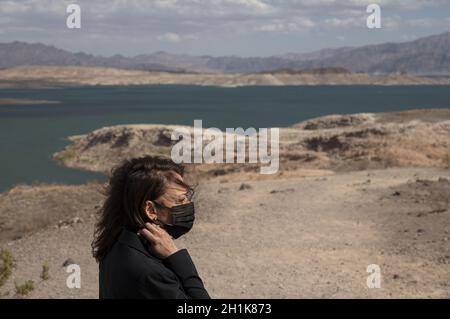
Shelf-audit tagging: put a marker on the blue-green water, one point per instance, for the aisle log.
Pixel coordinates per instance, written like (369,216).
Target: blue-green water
(30,134)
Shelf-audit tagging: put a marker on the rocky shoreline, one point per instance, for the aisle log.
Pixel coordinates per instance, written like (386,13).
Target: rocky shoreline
(417,138)
(51,76)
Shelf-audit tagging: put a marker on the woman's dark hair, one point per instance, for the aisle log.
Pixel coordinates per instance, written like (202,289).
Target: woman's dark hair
(131,184)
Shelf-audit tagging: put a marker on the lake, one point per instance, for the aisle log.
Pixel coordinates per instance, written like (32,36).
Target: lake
(30,134)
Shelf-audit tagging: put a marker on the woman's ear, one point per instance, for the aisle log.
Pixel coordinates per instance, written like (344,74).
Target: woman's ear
(149,210)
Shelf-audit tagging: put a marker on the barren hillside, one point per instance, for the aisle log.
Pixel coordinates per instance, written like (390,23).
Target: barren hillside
(38,76)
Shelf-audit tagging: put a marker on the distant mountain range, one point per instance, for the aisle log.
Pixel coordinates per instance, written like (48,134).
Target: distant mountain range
(429,55)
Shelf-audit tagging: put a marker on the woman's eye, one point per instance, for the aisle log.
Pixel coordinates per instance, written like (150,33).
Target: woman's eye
(180,200)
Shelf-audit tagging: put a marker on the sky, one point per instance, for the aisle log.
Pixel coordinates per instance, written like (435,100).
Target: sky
(218,27)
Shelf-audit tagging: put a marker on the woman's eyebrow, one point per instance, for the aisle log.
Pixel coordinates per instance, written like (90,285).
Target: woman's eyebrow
(177,197)
(177,188)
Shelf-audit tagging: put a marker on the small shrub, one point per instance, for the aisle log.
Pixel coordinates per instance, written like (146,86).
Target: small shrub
(6,266)
(45,271)
(25,288)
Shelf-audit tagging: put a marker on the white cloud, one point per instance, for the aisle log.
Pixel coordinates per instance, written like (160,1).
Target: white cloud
(294,25)
(392,22)
(422,23)
(345,22)
(169,37)
(13,7)
(174,37)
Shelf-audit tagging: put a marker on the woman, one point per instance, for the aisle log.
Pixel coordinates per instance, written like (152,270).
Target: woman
(148,204)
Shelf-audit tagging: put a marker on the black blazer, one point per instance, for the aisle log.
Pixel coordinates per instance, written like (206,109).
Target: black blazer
(131,270)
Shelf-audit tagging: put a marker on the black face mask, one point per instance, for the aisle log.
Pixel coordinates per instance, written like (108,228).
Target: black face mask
(183,217)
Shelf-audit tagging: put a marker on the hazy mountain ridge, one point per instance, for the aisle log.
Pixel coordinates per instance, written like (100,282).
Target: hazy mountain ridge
(429,55)
(20,54)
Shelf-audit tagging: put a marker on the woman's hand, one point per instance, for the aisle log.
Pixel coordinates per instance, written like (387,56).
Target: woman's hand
(159,239)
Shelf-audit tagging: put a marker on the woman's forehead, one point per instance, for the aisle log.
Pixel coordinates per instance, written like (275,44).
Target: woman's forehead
(174,191)
(174,188)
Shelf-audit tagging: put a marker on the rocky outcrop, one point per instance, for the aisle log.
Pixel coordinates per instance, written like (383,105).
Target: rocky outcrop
(338,142)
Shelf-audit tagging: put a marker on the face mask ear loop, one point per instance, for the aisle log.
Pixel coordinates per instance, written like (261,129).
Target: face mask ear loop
(156,218)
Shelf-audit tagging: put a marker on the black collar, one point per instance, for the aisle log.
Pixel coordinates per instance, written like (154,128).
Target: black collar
(137,242)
